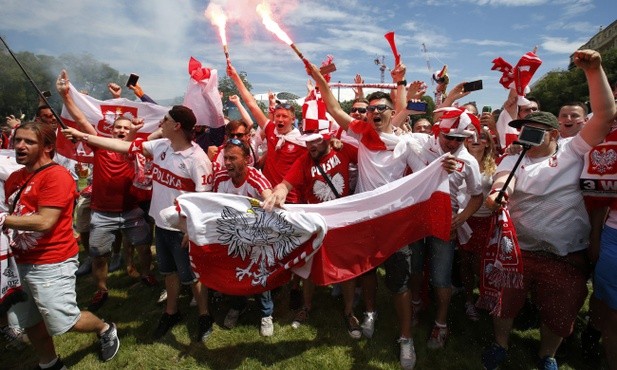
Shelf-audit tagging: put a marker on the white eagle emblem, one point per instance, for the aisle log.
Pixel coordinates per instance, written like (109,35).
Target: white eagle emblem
(322,190)
(264,237)
(603,161)
(505,248)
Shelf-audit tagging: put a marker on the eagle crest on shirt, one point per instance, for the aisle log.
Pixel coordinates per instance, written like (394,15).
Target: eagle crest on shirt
(322,190)
(603,161)
(263,238)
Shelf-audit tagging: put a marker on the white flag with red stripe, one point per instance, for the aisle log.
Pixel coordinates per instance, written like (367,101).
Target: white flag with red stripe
(102,114)
(237,248)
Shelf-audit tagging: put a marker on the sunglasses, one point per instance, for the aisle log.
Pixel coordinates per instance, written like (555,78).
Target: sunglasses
(359,110)
(454,138)
(235,141)
(238,135)
(379,108)
(283,106)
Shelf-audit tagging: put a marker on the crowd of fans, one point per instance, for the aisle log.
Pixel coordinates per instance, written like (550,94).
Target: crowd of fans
(277,160)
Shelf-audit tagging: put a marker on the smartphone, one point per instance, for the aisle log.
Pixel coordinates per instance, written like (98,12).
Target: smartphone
(531,136)
(328,68)
(472,86)
(487,109)
(418,106)
(132,81)
(46,93)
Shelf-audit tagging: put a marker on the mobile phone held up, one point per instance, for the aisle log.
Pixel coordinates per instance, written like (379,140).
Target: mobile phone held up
(46,93)
(472,86)
(419,106)
(487,109)
(532,136)
(132,81)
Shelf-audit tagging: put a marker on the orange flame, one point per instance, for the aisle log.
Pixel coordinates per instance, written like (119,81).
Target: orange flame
(266,15)
(217,17)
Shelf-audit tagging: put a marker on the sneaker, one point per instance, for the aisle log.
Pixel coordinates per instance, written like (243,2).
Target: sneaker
(204,326)
(115,262)
(368,324)
(301,316)
(15,337)
(407,354)
(99,299)
(109,343)
(85,268)
(162,297)
(353,326)
(438,337)
(150,280)
(548,363)
(267,327)
(493,356)
(231,319)
(471,312)
(58,365)
(166,322)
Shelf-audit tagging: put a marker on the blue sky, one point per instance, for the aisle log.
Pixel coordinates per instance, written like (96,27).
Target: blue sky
(155,38)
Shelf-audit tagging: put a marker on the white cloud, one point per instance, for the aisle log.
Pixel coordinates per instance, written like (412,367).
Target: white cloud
(508,2)
(560,45)
(499,43)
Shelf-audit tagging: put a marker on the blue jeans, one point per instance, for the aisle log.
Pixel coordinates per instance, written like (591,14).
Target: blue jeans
(264,302)
(171,257)
(441,254)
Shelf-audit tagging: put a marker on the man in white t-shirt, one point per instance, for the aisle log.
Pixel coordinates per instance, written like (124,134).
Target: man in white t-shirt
(179,166)
(549,215)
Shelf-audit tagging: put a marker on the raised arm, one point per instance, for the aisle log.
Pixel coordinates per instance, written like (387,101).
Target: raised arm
(246,117)
(600,97)
(62,85)
(108,143)
(246,95)
(333,106)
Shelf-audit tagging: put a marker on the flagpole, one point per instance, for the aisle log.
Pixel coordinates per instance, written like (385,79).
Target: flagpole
(502,192)
(34,85)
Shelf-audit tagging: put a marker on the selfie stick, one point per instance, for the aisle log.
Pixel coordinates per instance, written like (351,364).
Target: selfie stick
(502,192)
(34,85)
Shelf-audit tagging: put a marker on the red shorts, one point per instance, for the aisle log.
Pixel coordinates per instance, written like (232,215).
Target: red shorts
(558,286)
(481,226)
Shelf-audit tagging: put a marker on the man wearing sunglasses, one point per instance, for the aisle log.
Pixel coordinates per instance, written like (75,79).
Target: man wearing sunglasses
(377,166)
(358,109)
(236,129)
(281,136)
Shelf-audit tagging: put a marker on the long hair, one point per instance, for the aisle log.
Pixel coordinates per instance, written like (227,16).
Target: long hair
(45,134)
(488,157)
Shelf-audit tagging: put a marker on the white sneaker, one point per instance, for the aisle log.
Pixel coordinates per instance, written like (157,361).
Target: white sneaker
(162,297)
(267,327)
(15,337)
(368,324)
(231,319)
(408,353)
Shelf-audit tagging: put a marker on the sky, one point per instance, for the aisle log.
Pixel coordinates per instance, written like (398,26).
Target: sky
(156,38)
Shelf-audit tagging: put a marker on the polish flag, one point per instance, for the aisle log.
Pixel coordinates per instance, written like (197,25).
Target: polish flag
(237,248)
(102,114)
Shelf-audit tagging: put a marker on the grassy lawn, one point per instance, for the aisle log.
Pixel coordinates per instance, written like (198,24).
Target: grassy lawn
(321,344)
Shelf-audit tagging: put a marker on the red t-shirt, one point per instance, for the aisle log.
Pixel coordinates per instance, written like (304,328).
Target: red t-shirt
(52,187)
(278,162)
(112,178)
(307,179)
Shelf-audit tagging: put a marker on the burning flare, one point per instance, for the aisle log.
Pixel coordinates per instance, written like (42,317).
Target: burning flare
(266,15)
(217,17)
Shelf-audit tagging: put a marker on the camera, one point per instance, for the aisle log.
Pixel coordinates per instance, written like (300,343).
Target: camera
(532,136)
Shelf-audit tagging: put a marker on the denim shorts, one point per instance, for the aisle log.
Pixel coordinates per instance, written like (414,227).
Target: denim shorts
(171,257)
(104,225)
(398,270)
(51,296)
(441,254)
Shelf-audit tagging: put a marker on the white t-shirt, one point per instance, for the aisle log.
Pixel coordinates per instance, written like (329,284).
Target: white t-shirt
(176,173)
(547,204)
(380,167)
(467,171)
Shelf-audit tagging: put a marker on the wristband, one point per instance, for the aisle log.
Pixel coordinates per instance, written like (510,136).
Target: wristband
(402,83)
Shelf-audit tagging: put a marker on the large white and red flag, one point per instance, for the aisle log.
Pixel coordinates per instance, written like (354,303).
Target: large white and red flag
(102,114)
(237,248)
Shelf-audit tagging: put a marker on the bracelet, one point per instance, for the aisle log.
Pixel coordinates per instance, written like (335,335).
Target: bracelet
(402,83)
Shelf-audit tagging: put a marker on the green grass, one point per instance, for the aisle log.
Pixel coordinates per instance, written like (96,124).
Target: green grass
(321,344)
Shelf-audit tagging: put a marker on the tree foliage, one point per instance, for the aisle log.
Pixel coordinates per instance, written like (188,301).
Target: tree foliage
(560,86)
(17,95)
